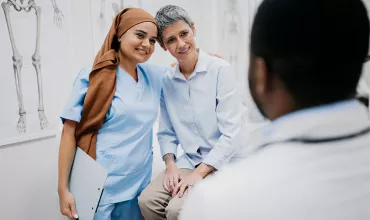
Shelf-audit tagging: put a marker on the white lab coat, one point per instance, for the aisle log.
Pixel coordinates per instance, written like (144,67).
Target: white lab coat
(295,180)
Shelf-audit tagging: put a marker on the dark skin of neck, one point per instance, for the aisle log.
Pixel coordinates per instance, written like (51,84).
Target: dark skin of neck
(280,102)
(274,99)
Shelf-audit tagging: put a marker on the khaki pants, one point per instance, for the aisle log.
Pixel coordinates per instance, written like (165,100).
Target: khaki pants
(157,204)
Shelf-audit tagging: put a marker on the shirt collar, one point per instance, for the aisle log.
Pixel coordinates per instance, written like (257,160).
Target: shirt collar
(201,66)
(139,84)
(349,116)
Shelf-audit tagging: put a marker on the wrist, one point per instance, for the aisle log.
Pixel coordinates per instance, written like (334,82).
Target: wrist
(203,170)
(62,190)
(200,173)
(171,164)
(169,159)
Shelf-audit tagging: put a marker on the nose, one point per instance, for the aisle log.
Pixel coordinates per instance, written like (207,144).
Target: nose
(181,44)
(145,43)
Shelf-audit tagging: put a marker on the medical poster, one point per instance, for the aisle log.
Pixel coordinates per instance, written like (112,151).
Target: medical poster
(35,51)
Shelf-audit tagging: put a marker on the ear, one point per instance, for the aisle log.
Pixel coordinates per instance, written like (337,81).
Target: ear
(261,76)
(193,29)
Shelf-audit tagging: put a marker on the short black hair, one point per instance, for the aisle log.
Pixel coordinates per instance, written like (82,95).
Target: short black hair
(315,47)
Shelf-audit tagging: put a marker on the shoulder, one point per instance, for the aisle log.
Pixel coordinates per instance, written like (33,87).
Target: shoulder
(154,72)
(216,62)
(83,76)
(216,65)
(169,75)
(153,69)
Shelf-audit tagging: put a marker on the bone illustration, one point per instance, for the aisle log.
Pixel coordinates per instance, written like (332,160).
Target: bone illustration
(117,7)
(231,29)
(27,6)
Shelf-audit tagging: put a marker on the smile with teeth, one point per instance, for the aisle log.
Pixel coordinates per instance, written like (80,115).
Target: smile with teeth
(184,51)
(141,51)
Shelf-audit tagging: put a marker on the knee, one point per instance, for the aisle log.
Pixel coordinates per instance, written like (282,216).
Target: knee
(173,210)
(145,199)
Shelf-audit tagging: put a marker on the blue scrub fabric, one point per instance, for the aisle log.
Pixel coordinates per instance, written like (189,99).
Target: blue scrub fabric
(124,142)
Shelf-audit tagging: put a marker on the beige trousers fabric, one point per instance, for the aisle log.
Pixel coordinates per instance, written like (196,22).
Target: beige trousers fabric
(158,204)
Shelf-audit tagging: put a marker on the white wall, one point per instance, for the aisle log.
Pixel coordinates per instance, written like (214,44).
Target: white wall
(28,181)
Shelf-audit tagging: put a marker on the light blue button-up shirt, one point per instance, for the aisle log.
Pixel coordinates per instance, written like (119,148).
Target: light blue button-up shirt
(202,114)
(124,142)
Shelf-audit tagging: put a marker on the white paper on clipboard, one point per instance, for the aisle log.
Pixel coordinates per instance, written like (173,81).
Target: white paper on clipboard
(86,183)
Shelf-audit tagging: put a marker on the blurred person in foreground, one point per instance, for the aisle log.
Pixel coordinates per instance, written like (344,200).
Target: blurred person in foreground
(313,160)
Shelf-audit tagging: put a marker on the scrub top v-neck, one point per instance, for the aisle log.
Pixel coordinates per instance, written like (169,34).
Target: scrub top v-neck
(124,142)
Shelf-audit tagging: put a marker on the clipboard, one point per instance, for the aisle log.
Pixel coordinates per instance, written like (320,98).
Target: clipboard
(86,183)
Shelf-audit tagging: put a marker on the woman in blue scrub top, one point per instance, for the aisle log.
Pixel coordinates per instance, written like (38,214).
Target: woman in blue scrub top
(124,140)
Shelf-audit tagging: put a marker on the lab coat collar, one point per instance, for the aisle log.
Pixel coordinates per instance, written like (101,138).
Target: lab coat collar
(340,118)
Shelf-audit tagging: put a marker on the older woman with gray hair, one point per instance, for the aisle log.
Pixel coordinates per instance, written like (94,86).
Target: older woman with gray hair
(200,110)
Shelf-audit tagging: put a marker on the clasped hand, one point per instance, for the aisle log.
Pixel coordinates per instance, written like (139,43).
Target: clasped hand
(176,184)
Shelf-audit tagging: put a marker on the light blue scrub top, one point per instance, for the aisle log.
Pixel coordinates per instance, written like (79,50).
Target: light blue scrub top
(124,142)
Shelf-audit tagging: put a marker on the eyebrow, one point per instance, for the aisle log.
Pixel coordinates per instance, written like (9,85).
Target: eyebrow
(173,36)
(169,38)
(145,33)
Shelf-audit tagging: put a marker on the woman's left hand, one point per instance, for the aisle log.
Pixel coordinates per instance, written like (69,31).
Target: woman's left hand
(184,186)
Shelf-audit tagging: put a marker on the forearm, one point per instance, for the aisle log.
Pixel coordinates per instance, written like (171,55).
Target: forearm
(204,169)
(67,151)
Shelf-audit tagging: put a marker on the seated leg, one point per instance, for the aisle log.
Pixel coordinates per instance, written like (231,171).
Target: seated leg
(154,199)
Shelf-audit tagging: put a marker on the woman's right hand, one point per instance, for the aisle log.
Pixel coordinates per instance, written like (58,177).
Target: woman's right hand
(67,205)
(172,177)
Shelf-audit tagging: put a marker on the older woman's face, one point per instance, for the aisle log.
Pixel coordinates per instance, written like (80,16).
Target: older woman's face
(179,40)
(137,44)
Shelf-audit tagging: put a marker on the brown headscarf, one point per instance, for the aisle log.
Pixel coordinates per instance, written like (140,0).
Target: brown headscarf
(102,79)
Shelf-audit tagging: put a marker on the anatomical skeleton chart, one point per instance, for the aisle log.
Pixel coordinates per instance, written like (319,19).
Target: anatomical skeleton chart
(232,29)
(28,6)
(117,6)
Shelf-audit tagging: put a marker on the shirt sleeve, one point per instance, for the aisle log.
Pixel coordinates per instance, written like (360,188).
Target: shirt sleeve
(229,118)
(73,109)
(167,137)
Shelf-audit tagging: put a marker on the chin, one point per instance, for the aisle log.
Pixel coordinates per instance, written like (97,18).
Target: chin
(142,59)
(189,55)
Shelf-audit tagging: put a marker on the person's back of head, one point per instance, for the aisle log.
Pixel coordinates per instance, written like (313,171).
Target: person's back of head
(306,53)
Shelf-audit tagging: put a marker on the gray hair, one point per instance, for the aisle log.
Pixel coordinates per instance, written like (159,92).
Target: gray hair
(169,15)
